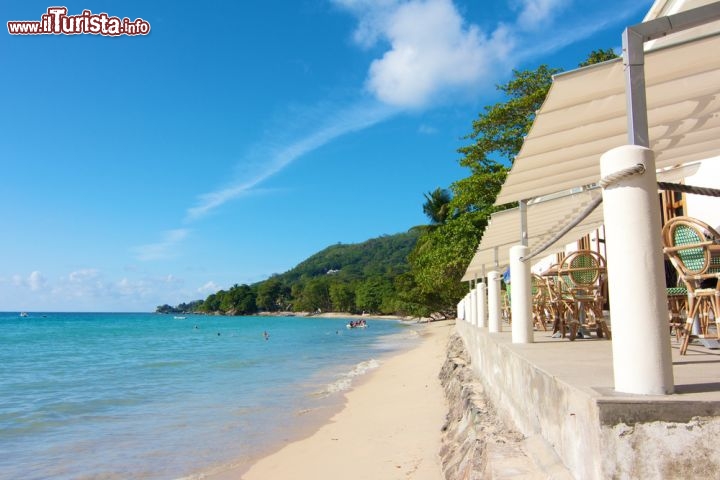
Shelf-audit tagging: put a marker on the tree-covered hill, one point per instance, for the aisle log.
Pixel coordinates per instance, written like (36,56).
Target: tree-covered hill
(349,278)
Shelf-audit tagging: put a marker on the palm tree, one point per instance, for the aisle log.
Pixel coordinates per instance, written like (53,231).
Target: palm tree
(437,205)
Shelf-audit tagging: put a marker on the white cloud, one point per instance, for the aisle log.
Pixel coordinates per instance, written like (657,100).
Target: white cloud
(86,283)
(164,248)
(432,50)
(427,129)
(536,13)
(435,55)
(90,289)
(270,158)
(209,287)
(372,15)
(84,275)
(34,282)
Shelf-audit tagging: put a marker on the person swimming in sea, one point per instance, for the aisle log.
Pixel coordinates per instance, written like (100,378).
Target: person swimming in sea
(266,335)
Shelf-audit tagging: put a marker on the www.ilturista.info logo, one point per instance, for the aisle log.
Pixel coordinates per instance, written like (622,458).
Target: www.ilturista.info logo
(57,22)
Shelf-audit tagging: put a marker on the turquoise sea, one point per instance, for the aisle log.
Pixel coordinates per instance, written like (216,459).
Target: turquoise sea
(147,396)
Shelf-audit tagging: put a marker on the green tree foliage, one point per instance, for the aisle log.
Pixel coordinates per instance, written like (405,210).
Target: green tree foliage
(440,259)
(181,308)
(315,296)
(376,295)
(498,132)
(342,296)
(598,56)
(437,205)
(238,300)
(326,281)
(273,295)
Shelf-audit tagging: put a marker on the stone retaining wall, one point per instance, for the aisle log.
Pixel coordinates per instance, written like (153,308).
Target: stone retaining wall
(476,443)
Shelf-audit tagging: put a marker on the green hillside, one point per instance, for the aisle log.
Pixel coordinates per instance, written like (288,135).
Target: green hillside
(350,278)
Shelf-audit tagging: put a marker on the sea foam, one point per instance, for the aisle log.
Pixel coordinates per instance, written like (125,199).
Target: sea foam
(345,381)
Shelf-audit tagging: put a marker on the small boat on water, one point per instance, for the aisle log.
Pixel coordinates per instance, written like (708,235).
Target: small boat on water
(23,314)
(358,324)
(179,318)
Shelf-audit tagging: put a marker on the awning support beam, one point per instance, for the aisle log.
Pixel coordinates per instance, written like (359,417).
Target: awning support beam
(633,39)
(523,204)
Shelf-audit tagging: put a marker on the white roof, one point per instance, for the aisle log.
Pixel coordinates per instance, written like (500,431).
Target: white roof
(584,116)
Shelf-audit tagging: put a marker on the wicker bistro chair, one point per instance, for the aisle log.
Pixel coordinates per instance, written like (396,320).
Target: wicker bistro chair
(693,247)
(540,300)
(677,307)
(505,310)
(581,277)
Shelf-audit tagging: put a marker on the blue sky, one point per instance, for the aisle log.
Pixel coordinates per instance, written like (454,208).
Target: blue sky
(238,138)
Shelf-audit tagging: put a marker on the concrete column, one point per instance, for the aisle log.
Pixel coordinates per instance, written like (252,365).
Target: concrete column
(493,287)
(482,305)
(473,307)
(642,361)
(521,298)
(468,308)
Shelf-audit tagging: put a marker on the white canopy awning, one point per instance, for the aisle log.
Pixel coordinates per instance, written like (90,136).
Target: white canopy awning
(584,116)
(544,220)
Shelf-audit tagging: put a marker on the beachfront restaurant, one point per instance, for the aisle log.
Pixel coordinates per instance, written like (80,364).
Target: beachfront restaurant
(589,319)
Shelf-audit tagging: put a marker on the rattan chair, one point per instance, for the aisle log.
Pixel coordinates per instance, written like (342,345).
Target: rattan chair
(505,307)
(542,302)
(581,277)
(693,247)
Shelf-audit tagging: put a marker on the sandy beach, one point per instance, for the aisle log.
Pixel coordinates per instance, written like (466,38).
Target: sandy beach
(388,429)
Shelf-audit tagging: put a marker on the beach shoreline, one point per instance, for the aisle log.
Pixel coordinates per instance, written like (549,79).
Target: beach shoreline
(388,425)
(345,315)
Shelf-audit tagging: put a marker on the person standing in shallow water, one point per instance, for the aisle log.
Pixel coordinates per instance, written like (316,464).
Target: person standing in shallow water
(266,335)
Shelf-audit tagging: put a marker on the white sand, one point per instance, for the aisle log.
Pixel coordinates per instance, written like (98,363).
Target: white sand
(388,429)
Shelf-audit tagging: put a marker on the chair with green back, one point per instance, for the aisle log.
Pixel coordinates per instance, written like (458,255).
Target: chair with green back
(693,247)
(581,277)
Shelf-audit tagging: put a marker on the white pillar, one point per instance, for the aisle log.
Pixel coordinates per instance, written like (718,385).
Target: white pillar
(473,307)
(521,298)
(642,360)
(494,302)
(467,307)
(482,305)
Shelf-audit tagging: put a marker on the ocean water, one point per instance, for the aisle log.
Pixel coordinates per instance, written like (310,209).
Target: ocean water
(146,396)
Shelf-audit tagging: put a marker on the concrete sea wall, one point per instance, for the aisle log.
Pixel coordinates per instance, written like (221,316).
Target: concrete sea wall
(503,405)
(477,443)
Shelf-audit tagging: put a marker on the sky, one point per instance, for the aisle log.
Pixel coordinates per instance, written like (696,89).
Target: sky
(236,139)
